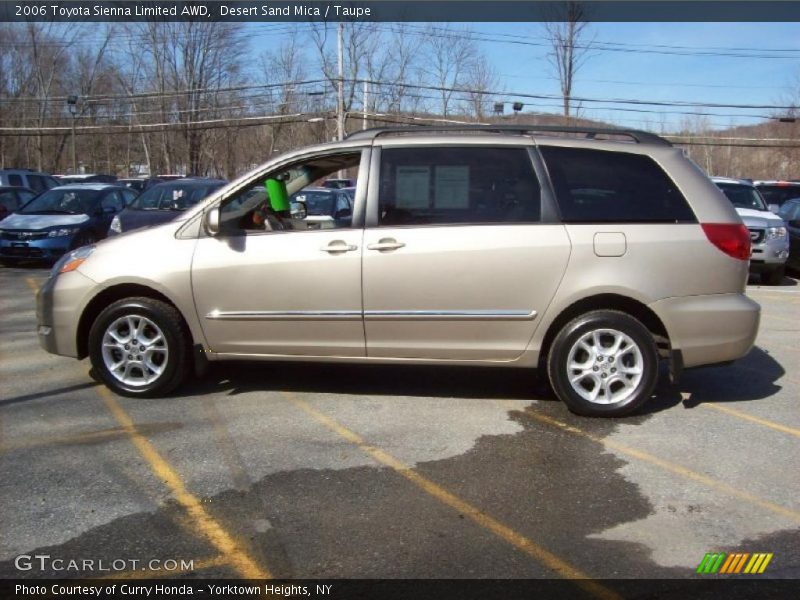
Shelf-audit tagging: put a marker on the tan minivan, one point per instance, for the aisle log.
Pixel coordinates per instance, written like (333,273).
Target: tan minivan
(587,253)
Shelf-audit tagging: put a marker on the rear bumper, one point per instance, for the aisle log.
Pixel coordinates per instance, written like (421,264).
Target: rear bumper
(710,329)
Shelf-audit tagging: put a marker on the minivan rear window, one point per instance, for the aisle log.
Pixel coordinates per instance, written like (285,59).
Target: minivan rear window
(600,186)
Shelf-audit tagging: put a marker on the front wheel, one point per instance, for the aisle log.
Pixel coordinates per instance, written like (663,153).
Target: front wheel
(603,364)
(139,347)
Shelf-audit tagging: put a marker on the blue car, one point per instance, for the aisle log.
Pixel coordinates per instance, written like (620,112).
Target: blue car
(60,219)
(163,202)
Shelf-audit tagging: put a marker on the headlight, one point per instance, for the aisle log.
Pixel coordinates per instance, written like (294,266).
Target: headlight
(63,232)
(71,260)
(116,225)
(776,233)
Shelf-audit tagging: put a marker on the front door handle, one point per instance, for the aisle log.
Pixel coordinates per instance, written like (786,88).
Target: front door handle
(337,246)
(386,244)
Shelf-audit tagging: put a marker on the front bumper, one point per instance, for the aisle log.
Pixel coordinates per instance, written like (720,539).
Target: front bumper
(59,304)
(49,249)
(710,329)
(769,255)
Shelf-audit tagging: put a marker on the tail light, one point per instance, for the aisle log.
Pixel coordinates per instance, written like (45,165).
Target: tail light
(732,238)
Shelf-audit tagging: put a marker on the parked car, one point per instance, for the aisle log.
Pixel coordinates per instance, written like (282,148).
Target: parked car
(590,258)
(28,178)
(768,235)
(60,219)
(790,212)
(324,207)
(775,193)
(162,203)
(87,178)
(169,176)
(13,198)
(140,184)
(336,184)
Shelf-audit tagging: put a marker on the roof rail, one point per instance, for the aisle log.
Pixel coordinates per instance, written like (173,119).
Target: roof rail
(640,137)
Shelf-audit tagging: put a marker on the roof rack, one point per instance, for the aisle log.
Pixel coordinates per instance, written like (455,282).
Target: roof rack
(640,137)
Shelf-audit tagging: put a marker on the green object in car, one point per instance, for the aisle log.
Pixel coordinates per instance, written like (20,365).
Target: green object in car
(278,197)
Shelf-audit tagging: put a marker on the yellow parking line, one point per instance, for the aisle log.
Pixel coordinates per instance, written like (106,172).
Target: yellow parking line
(684,472)
(32,283)
(519,541)
(234,553)
(743,415)
(792,321)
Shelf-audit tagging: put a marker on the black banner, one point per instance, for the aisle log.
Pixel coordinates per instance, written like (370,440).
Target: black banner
(700,588)
(398,11)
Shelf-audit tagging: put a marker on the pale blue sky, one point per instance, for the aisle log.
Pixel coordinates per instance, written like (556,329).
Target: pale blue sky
(644,76)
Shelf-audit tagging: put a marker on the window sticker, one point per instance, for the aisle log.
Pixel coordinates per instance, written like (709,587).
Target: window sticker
(412,187)
(452,187)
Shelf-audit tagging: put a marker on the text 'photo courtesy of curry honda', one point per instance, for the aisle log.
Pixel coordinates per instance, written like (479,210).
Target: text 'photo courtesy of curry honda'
(589,254)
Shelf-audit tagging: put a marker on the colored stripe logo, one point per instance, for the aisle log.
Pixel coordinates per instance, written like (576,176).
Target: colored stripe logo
(733,564)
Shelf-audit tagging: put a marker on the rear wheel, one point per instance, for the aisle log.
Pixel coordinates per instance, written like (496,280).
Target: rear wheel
(773,277)
(603,364)
(139,347)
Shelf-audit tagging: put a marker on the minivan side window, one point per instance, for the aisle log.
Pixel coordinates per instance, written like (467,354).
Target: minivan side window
(600,186)
(457,185)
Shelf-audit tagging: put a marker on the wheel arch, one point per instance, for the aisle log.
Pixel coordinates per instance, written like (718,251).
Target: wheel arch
(111,294)
(608,301)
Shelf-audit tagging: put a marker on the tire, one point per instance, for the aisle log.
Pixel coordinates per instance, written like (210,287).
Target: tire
(149,373)
(8,262)
(604,390)
(773,277)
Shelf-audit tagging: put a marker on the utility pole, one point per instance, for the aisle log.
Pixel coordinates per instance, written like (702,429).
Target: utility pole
(366,104)
(72,105)
(340,91)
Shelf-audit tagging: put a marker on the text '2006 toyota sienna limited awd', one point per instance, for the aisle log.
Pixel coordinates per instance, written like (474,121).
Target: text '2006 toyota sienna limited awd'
(590,255)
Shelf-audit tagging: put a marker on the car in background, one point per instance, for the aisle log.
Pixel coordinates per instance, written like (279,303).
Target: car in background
(790,212)
(769,237)
(28,178)
(163,202)
(775,193)
(170,176)
(87,178)
(326,208)
(61,219)
(13,198)
(139,184)
(337,184)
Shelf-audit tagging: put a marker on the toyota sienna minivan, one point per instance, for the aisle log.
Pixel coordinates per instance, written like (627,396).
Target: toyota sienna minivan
(590,254)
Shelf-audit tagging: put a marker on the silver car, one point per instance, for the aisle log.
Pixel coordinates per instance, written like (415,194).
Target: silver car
(768,233)
(591,256)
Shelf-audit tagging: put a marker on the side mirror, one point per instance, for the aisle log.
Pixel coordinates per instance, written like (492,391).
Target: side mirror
(343,213)
(211,221)
(109,210)
(298,210)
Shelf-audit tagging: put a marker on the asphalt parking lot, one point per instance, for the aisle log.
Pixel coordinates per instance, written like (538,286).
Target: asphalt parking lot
(321,471)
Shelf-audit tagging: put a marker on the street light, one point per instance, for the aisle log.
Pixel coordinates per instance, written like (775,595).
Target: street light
(72,105)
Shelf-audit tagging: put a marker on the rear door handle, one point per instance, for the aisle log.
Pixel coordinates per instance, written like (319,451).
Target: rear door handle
(337,246)
(386,244)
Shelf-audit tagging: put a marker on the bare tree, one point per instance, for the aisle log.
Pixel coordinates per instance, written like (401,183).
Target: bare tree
(570,44)
(449,55)
(482,80)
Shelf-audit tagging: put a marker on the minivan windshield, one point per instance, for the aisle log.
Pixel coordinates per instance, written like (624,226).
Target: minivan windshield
(743,196)
(173,196)
(62,201)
